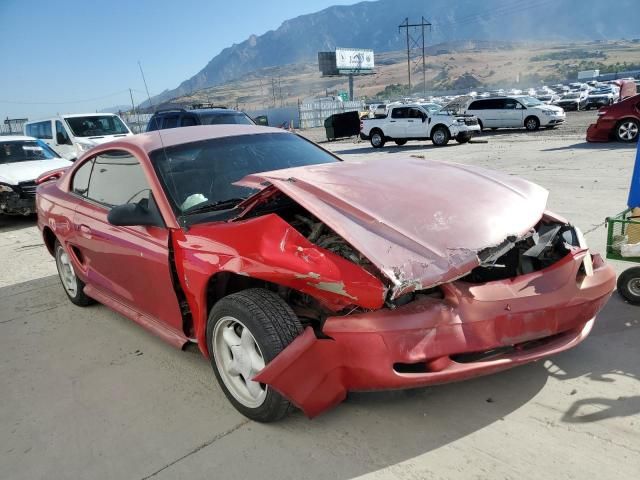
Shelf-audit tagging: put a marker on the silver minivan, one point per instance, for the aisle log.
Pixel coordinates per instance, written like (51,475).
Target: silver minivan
(71,135)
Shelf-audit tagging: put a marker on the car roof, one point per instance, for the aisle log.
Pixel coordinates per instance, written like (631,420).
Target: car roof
(72,115)
(16,138)
(157,139)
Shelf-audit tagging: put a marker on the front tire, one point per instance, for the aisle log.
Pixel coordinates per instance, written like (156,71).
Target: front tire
(629,285)
(377,139)
(532,124)
(73,286)
(440,136)
(627,131)
(245,331)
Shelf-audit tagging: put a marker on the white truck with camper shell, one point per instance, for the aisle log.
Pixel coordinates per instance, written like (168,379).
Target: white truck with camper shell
(404,122)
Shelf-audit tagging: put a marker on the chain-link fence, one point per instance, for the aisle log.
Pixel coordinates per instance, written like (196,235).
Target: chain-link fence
(12,126)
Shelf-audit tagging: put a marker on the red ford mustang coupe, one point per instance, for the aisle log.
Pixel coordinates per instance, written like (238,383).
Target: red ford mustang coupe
(302,277)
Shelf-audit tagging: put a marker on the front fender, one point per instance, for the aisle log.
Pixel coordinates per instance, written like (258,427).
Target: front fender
(268,248)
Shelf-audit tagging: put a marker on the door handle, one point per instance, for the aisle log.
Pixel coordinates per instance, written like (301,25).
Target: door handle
(410,121)
(85,230)
(392,121)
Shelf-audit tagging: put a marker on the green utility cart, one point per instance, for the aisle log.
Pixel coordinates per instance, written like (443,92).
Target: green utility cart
(623,233)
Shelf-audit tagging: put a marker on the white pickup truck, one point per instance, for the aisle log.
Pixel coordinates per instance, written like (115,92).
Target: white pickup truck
(414,122)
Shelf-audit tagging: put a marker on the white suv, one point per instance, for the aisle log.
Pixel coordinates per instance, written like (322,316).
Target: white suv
(515,112)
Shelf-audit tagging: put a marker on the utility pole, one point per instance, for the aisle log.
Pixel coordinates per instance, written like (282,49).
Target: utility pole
(133,109)
(413,42)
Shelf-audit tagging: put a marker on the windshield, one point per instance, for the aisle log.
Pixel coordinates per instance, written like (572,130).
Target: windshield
(431,107)
(202,173)
(25,151)
(530,101)
(225,118)
(96,126)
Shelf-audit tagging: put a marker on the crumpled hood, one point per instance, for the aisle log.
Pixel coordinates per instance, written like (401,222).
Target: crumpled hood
(420,222)
(14,173)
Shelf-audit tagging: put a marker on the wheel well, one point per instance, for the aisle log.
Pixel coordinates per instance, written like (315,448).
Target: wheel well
(531,116)
(626,119)
(441,125)
(225,283)
(376,129)
(49,239)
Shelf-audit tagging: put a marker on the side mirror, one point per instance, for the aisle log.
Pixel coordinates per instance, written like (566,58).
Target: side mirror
(145,212)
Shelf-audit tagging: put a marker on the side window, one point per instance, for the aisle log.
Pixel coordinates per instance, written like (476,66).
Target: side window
(415,113)
(170,121)
(117,178)
(80,181)
(188,121)
(510,104)
(477,105)
(499,104)
(62,137)
(40,130)
(399,112)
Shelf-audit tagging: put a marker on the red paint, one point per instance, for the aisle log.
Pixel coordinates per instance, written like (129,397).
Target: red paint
(609,117)
(407,220)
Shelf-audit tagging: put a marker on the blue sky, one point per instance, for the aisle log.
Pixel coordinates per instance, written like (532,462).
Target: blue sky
(82,55)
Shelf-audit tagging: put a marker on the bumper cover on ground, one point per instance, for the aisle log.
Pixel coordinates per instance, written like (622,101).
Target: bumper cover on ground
(533,316)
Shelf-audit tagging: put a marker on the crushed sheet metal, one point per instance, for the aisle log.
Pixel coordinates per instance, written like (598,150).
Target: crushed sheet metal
(407,222)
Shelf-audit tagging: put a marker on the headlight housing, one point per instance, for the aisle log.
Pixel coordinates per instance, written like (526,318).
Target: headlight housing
(5,188)
(83,147)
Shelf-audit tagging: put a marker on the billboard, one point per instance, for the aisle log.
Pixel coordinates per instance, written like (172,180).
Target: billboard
(354,59)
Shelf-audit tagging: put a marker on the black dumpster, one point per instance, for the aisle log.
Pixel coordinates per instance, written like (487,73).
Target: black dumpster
(342,125)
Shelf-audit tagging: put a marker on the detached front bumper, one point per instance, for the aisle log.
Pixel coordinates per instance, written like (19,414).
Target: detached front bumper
(475,330)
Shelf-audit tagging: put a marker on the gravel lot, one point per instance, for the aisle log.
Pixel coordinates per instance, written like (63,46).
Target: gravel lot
(88,394)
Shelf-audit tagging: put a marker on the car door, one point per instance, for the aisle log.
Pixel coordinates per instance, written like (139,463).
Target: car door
(397,124)
(485,111)
(416,128)
(128,264)
(510,116)
(63,144)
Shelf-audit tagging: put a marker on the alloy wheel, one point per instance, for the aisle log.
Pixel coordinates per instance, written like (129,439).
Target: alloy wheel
(628,131)
(239,359)
(67,274)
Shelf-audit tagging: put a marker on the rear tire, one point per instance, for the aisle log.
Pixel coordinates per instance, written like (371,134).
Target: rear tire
(532,124)
(627,130)
(246,331)
(72,285)
(440,136)
(377,139)
(400,142)
(629,285)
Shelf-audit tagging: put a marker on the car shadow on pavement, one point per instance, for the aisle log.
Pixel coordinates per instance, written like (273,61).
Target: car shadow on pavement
(594,146)
(9,223)
(605,365)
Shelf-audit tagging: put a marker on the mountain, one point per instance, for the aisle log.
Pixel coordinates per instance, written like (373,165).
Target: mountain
(374,24)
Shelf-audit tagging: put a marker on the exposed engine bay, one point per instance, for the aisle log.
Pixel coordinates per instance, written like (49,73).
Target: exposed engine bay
(546,243)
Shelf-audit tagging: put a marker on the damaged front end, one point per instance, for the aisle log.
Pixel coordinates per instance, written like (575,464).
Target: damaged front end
(458,289)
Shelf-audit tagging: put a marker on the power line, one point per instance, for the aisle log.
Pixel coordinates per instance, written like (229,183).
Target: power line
(504,10)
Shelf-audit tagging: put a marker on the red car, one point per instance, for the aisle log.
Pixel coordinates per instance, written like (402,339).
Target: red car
(620,121)
(317,276)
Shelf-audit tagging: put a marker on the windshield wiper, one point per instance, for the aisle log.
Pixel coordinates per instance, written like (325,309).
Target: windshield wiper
(213,206)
